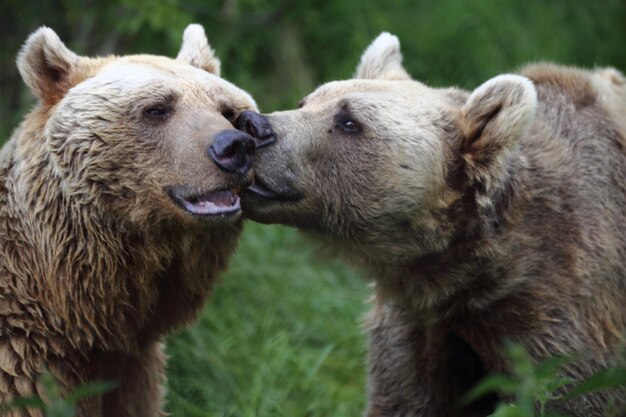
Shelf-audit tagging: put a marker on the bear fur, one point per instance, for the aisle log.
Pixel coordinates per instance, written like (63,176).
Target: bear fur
(100,255)
(483,216)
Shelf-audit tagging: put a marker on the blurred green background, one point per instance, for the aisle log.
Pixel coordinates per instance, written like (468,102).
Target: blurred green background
(282,335)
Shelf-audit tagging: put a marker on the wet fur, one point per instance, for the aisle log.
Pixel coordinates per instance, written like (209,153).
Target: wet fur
(511,225)
(97,264)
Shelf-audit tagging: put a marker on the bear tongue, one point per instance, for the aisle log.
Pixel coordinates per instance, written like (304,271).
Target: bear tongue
(219,198)
(214,203)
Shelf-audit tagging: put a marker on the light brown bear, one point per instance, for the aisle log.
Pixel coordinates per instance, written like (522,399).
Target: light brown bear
(482,216)
(114,219)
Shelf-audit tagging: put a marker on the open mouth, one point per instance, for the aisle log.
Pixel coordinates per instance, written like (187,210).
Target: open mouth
(215,203)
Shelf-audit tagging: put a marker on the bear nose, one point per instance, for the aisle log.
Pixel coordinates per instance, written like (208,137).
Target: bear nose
(232,151)
(256,126)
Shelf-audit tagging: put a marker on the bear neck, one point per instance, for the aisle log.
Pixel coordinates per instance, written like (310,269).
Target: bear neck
(83,276)
(469,270)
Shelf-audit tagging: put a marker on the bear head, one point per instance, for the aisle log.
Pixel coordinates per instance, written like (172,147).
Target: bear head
(133,135)
(378,163)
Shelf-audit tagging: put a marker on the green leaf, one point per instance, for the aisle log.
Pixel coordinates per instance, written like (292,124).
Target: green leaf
(27,402)
(50,386)
(494,383)
(60,408)
(90,389)
(509,410)
(551,366)
(608,378)
(519,358)
(554,384)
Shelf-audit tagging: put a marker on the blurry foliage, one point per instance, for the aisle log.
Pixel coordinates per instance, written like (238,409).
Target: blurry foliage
(279,50)
(531,386)
(53,403)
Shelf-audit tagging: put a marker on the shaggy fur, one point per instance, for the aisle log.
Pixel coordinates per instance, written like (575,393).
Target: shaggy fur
(97,261)
(482,216)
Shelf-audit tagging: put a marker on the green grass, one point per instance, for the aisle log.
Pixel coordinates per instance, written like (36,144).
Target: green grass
(281,336)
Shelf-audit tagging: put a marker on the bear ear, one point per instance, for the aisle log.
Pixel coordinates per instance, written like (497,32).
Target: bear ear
(46,65)
(382,60)
(495,116)
(196,50)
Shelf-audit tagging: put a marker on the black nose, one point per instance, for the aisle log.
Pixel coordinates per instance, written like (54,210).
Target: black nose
(256,126)
(232,150)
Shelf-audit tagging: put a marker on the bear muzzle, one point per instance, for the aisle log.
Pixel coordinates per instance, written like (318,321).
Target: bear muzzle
(215,203)
(232,151)
(257,126)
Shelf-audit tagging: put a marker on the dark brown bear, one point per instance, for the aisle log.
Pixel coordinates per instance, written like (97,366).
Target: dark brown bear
(482,216)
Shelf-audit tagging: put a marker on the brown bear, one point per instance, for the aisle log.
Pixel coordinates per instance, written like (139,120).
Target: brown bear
(481,216)
(118,208)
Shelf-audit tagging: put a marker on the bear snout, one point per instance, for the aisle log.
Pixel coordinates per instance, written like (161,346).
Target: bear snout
(232,151)
(257,126)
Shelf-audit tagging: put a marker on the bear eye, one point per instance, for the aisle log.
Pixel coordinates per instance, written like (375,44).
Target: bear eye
(348,125)
(158,112)
(229,114)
